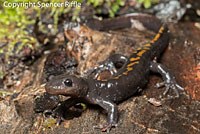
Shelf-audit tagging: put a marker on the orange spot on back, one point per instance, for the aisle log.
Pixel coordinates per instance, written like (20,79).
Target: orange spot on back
(146,48)
(134,51)
(133,63)
(158,34)
(147,45)
(129,69)
(125,73)
(161,30)
(133,59)
(157,37)
(141,53)
(117,77)
(152,41)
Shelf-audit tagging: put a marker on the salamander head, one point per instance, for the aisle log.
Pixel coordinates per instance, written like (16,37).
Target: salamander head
(67,85)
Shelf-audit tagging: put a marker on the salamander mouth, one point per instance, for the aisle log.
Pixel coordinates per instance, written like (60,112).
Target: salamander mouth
(53,89)
(57,90)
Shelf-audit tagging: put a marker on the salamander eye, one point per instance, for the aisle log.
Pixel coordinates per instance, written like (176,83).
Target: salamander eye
(68,82)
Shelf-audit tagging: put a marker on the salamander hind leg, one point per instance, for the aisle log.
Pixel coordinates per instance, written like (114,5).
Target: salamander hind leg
(112,64)
(168,77)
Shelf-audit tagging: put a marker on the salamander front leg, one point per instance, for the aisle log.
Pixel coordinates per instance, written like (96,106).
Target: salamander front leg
(168,77)
(112,111)
(58,112)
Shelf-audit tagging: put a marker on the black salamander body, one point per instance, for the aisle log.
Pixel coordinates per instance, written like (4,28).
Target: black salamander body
(128,80)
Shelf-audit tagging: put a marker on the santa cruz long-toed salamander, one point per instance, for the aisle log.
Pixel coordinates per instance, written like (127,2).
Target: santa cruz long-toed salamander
(128,80)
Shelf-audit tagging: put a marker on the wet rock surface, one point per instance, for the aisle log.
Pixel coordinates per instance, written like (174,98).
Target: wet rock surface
(137,115)
(174,115)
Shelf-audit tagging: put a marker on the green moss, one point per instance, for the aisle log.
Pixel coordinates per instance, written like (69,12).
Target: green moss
(113,5)
(148,3)
(14,23)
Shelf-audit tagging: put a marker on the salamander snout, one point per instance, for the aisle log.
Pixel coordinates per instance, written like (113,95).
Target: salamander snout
(67,85)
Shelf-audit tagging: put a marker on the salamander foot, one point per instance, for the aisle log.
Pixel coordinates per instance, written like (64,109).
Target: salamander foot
(98,69)
(58,113)
(112,64)
(170,85)
(168,77)
(105,127)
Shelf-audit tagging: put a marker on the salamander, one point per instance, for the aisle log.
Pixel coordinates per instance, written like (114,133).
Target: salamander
(128,80)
